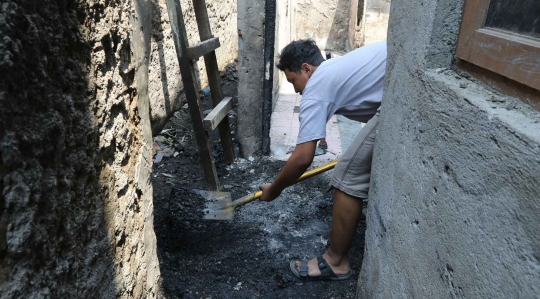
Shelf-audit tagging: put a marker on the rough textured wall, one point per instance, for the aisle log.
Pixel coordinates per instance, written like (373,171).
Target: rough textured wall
(250,75)
(76,205)
(326,22)
(454,202)
(373,25)
(165,86)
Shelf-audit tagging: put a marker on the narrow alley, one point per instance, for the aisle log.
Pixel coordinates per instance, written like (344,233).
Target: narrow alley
(117,116)
(249,256)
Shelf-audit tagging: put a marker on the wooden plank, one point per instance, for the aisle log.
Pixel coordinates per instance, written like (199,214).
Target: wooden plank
(178,29)
(212,120)
(214,80)
(513,56)
(474,17)
(203,48)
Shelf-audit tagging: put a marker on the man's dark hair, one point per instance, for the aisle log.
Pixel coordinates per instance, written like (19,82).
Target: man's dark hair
(298,52)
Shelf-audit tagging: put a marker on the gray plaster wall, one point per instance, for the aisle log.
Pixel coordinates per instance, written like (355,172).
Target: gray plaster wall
(251,72)
(455,195)
(165,83)
(76,211)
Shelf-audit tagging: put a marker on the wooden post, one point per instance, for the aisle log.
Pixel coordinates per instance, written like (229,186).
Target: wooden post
(186,69)
(214,80)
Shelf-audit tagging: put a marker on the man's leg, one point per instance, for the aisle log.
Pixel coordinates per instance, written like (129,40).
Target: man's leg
(351,179)
(345,217)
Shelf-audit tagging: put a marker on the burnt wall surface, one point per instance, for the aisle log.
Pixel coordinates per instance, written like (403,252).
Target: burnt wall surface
(454,199)
(251,75)
(165,83)
(75,205)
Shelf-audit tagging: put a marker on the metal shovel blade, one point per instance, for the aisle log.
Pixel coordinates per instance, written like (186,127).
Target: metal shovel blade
(216,205)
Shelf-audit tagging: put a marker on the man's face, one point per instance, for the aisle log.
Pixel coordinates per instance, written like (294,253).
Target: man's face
(299,80)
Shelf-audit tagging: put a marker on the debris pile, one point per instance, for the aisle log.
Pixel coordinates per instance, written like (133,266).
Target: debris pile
(167,144)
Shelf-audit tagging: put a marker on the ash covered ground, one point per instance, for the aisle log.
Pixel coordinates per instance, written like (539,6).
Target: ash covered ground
(249,256)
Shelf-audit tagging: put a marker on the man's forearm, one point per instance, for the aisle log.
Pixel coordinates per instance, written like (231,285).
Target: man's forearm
(291,172)
(297,164)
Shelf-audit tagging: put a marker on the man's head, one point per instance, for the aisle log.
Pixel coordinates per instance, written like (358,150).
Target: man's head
(298,60)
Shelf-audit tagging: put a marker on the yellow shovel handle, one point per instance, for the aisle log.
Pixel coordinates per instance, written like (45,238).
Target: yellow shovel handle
(310,173)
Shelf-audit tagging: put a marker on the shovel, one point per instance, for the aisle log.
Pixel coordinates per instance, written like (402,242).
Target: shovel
(220,206)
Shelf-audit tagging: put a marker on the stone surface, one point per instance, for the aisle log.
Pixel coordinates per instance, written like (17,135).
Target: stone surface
(165,85)
(76,206)
(453,208)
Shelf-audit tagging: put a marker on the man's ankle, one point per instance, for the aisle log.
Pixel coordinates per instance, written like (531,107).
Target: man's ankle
(335,259)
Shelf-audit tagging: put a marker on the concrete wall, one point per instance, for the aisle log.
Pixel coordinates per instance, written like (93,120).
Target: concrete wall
(251,71)
(334,25)
(326,22)
(165,86)
(454,202)
(373,24)
(76,205)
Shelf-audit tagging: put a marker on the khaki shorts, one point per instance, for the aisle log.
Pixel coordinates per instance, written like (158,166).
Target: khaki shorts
(353,171)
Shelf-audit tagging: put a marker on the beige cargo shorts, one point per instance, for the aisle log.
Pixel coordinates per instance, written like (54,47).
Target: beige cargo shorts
(353,170)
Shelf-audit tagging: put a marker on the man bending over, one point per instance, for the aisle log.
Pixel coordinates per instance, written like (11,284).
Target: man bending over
(352,86)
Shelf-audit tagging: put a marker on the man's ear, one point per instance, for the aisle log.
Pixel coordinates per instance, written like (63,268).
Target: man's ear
(306,67)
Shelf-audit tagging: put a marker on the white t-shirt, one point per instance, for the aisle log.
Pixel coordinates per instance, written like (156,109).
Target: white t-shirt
(351,85)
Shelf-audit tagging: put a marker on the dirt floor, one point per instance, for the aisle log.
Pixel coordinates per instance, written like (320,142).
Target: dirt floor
(249,256)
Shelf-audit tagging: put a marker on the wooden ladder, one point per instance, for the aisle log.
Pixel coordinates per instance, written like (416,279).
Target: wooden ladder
(186,57)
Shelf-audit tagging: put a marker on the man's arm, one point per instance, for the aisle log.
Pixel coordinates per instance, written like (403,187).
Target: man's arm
(297,164)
